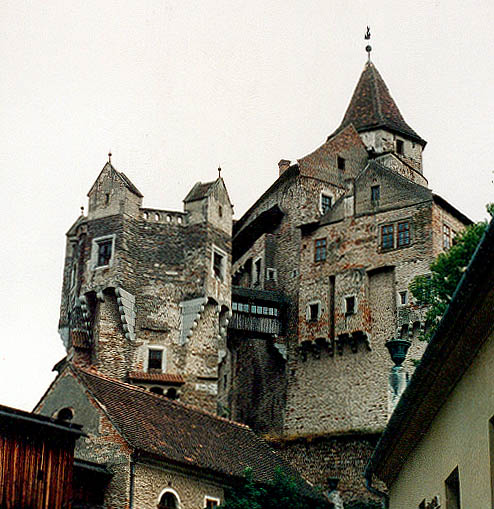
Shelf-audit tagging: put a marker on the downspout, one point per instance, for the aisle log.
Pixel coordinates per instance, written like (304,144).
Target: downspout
(375,491)
(131,481)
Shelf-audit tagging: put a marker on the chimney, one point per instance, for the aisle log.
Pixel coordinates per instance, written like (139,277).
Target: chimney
(283,165)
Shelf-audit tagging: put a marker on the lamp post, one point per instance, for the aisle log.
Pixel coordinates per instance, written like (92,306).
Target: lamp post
(398,349)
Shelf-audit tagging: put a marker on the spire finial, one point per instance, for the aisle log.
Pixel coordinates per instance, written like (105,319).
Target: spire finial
(368,48)
(109,157)
(82,210)
(219,171)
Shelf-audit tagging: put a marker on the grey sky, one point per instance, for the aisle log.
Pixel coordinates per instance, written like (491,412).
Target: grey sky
(174,88)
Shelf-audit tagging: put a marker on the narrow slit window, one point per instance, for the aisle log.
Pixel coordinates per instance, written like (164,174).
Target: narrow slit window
(446,237)
(375,193)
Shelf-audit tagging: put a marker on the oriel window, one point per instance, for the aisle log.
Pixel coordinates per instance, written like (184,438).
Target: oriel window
(320,250)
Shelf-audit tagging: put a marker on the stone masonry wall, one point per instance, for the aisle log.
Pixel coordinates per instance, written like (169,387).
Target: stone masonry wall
(152,480)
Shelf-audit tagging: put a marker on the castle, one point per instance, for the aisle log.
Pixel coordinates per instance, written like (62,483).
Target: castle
(278,320)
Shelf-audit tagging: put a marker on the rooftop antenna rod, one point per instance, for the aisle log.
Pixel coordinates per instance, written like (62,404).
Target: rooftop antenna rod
(368,48)
(219,171)
(109,157)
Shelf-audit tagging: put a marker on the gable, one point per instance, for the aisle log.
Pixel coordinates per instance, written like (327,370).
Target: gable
(110,173)
(323,162)
(395,191)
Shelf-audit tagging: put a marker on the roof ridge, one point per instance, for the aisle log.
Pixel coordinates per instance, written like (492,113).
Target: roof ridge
(93,372)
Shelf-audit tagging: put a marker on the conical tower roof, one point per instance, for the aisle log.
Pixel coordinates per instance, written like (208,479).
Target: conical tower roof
(372,107)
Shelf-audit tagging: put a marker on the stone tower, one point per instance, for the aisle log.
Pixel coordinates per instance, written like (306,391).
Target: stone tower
(321,267)
(146,292)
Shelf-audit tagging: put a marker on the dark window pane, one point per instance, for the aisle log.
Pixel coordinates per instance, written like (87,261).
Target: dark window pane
(387,236)
(350,305)
(341,163)
(104,252)
(375,193)
(326,202)
(155,359)
(404,234)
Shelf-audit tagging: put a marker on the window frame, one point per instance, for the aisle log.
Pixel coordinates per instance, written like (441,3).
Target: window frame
(446,235)
(273,272)
(325,194)
(222,272)
(400,146)
(163,358)
(95,247)
(209,498)
(346,312)
(340,163)
(386,235)
(308,311)
(320,252)
(407,231)
(174,493)
(375,190)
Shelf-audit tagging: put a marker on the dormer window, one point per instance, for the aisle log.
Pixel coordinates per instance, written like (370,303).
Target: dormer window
(399,146)
(341,163)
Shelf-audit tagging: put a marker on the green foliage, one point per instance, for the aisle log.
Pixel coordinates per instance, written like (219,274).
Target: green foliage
(283,491)
(437,289)
(371,504)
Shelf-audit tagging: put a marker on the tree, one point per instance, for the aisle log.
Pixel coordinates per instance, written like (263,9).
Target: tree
(436,289)
(281,491)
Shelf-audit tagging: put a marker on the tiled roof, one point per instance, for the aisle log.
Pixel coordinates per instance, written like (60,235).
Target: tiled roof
(199,191)
(372,106)
(182,433)
(157,377)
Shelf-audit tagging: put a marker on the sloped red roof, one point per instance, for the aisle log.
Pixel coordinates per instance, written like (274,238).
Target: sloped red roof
(156,377)
(182,433)
(372,106)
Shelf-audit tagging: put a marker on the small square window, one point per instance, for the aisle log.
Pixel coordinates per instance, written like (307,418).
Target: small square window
(404,234)
(387,236)
(326,203)
(211,503)
(350,305)
(155,360)
(341,163)
(320,250)
(399,146)
(271,274)
(375,193)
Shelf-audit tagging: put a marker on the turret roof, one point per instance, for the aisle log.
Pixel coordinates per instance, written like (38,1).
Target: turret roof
(372,107)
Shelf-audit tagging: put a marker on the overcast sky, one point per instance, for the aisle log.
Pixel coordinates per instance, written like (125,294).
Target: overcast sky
(175,88)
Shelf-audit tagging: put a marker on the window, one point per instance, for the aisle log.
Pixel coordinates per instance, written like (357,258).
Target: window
(404,298)
(104,252)
(452,486)
(219,263)
(211,503)
(375,193)
(155,360)
(65,414)
(168,501)
(313,311)
(446,237)
(350,305)
(107,198)
(403,234)
(399,146)
(341,163)
(271,274)
(387,236)
(220,211)
(326,203)
(320,250)
(257,271)
(171,393)
(157,390)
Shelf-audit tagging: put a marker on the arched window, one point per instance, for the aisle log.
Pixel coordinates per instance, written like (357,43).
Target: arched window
(65,414)
(168,501)
(157,390)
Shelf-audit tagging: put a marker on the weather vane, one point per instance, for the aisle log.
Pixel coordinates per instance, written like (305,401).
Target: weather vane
(367,37)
